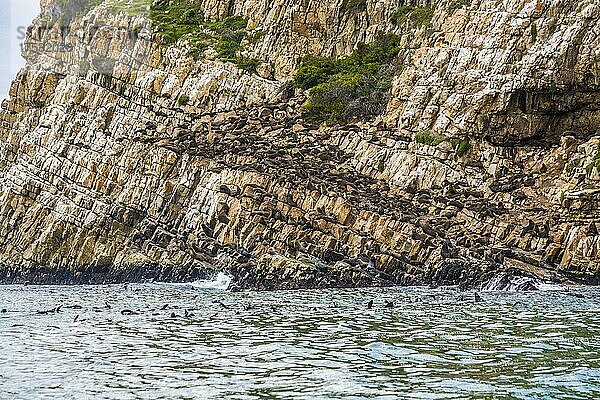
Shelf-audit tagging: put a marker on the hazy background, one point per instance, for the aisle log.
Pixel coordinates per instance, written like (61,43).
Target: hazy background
(13,14)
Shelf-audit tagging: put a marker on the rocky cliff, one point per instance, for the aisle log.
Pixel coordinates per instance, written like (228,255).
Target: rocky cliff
(125,157)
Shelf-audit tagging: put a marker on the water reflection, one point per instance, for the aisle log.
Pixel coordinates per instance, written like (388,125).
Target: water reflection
(284,345)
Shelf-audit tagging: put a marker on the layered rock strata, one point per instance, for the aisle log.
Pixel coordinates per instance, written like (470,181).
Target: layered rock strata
(106,175)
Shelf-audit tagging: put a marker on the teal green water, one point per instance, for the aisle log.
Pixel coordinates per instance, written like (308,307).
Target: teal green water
(297,345)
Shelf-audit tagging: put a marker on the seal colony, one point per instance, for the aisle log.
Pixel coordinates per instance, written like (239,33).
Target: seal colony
(266,152)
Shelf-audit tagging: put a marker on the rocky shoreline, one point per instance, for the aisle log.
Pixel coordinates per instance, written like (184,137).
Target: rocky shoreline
(464,275)
(125,159)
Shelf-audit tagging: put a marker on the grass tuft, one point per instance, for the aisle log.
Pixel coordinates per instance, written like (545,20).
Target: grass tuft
(427,137)
(461,146)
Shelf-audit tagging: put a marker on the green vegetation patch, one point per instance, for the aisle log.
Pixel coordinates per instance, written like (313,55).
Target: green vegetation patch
(67,10)
(595,162)
(429,138)
(461,146)
(177,20)
(352,87)
(355,5)
(418,16)
(183,100)
(131,7)
(570,167)
(456,5)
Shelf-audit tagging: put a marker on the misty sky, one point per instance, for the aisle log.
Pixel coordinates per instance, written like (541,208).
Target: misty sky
(13,14)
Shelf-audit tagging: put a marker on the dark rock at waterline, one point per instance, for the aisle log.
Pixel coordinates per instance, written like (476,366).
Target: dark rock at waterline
(93,275)
(291,274)
(513,280)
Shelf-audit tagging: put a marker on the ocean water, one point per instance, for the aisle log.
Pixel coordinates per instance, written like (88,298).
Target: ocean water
(197,341)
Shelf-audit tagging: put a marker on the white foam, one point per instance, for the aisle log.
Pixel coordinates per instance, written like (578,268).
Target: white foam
(551,287)
(219,282)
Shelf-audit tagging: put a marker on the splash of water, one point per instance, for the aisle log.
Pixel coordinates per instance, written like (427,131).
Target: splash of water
(506,282)
(220,282)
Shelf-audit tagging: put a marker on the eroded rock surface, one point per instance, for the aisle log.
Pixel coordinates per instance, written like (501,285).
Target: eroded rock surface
(107,176)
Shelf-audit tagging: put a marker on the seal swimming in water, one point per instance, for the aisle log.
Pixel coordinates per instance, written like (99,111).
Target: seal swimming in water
(370,304)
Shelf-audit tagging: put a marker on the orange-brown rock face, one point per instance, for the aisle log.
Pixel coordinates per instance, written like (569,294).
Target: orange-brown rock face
(121,159)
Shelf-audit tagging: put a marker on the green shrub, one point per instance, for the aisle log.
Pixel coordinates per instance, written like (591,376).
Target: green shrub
(418,16)
(569,168)
(229,34)
(68,10)
(248,64)
(429,138)
(131,7)
(177,20)
(180,19)
(484,121)
(355,5)
(442,71)
(314,71)
(345,97)
(595,162)
(461,146)
(183,100)
(353,87)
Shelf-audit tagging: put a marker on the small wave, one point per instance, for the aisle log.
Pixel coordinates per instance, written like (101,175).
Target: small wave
(505,282)
(219,282)
(549,287)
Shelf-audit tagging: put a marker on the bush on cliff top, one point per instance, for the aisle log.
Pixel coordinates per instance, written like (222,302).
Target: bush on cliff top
(352,87)
(177,20)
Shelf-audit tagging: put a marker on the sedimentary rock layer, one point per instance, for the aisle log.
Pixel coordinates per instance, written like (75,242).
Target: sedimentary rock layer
(106,175)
